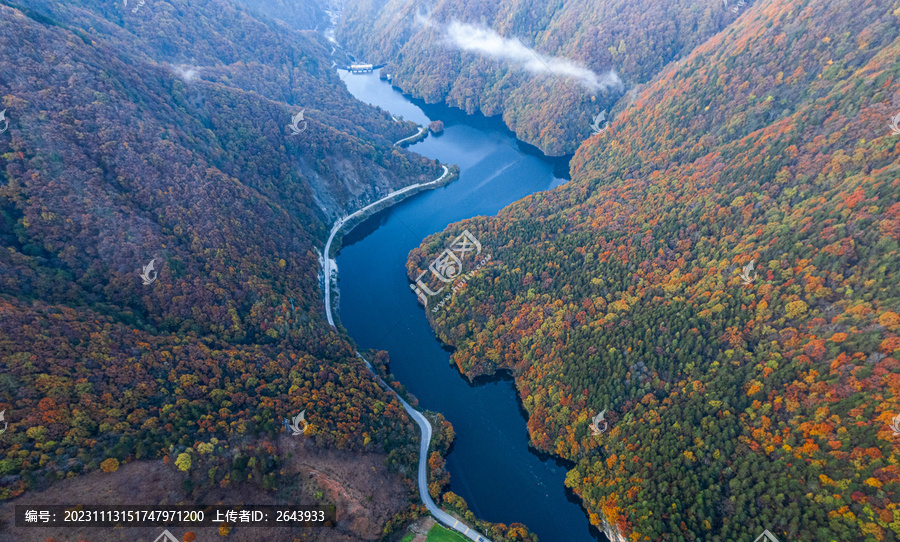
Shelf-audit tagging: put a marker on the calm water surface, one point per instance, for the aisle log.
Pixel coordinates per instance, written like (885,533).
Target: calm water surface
(490,464)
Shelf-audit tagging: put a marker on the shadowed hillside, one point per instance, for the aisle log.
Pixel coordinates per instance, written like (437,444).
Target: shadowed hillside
(157,132)
(527,60)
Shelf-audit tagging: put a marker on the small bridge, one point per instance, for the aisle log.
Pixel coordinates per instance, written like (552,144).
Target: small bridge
(362,68)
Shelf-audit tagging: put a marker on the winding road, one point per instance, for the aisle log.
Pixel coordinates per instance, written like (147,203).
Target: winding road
(424,425)
(326,256)
(421,130)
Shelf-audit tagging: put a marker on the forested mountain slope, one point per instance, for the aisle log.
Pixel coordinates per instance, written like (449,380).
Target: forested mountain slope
(298,14)
(158,132)
(734,404)
(634,38)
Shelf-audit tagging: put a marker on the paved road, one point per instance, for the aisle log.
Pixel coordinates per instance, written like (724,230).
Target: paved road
(421,129)
(326,267)
(422,421)
(425,427)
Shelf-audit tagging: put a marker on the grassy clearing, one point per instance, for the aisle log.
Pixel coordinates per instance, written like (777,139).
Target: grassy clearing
(440,534)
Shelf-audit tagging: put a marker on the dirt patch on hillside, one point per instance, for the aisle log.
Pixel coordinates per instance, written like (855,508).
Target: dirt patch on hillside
(365,493)
(419,529)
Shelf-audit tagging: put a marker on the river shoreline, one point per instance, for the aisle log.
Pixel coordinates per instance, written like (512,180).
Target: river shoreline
(329,272)
(505,374)
(329,265)
(528,485)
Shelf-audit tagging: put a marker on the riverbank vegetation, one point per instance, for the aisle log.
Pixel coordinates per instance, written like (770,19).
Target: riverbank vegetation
(738,398)
(634,39)
(119,153)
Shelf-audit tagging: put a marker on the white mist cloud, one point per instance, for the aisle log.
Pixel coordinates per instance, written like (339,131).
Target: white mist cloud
(186,72)
(484,41)
(423,18)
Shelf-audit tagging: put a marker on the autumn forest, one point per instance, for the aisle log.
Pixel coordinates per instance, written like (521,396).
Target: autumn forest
(719,277)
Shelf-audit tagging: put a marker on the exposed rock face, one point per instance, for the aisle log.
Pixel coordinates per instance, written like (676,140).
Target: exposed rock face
(612,532)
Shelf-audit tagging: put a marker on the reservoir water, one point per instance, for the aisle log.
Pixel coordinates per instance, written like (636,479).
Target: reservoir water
(490,464)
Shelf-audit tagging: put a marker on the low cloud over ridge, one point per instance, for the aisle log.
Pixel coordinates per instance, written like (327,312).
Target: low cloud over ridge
(484,41)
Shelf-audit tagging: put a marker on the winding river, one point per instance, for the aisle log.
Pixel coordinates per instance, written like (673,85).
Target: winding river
(490,464)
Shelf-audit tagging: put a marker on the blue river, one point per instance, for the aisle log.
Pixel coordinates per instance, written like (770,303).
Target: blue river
(491,465)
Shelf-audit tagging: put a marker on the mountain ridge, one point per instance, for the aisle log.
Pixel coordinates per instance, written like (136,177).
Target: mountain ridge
(749,406)
(159,133)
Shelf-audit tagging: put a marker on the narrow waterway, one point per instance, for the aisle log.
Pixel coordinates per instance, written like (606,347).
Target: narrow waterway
(490,464)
